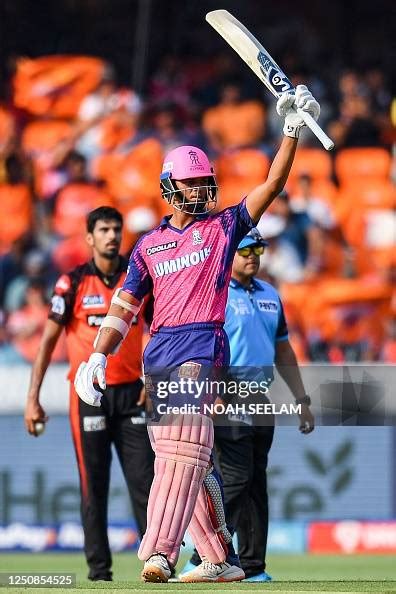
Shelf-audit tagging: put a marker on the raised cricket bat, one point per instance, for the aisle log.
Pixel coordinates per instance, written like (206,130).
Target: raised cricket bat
(259,60)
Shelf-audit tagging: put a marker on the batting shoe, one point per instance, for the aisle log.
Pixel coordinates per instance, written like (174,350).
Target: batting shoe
(213,572)
(259,577)
(156,569)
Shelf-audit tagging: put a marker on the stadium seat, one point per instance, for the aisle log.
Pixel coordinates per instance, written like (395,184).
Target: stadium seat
(369,193)
(353,163)
(313,162)
(238,172)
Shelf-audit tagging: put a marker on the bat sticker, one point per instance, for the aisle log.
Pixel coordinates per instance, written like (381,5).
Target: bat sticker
(278,79)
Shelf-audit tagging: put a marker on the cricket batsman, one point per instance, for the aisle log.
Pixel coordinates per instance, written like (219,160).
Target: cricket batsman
(187,262)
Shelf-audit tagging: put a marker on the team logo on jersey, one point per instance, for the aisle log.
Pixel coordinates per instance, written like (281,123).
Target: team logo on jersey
(240,307)
(63,284)
(58,305)
(267,305)
(171,266)
(196,237)
(93,301)
(161,248)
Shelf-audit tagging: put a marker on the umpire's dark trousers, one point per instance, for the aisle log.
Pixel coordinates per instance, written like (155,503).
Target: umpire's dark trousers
(242,453)
(118,421)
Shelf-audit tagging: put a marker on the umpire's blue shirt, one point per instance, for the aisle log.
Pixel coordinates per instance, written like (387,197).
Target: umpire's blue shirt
(254,323)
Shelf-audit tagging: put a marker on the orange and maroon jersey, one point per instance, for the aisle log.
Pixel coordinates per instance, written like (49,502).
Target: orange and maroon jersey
(80,301)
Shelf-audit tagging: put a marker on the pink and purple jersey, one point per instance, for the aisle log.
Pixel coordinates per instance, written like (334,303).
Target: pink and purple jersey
(188,269)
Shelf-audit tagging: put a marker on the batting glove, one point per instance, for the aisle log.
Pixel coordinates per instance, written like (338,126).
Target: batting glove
(288,103)
(85,376)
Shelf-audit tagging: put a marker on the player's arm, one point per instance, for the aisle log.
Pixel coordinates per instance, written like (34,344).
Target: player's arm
(261,197)
(125,304)
(287,367)
(33,410)
(115,326)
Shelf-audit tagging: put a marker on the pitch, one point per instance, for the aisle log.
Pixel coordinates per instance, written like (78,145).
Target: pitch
(292,573)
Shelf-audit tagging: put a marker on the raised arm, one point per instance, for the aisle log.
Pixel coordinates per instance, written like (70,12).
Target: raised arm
(261,197)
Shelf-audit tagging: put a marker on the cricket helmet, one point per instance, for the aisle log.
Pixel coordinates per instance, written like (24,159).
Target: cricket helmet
(186,162)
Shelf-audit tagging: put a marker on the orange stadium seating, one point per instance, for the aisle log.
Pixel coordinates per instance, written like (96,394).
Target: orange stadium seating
(55,85)
(353,163)
(311,161)
(238,172)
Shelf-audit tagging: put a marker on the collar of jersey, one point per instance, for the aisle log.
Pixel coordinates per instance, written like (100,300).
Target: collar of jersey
(254,285)
(165,222)
(114,278)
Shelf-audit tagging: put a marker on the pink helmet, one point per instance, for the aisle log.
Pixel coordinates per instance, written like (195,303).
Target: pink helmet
(182,163)
(187,161)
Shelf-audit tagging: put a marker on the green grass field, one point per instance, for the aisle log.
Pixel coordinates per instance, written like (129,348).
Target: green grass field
(292,573)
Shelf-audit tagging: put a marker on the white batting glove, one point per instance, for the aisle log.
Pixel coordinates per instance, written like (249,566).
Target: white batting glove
(288,103)
(85,376)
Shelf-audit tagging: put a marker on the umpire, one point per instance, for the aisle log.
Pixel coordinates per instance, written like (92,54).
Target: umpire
(258,335)
(80,301)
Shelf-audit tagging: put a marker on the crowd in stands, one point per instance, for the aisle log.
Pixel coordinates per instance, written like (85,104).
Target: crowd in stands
(71,139)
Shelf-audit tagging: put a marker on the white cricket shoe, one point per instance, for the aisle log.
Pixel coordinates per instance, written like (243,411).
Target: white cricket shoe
(214,572)
(156,569)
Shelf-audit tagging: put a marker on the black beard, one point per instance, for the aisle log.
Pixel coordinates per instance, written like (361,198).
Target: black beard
(110,255)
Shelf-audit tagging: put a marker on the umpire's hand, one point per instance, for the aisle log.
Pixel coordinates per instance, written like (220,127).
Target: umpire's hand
(307,420)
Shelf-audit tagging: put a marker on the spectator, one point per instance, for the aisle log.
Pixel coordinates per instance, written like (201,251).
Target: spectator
(169,84)
(329,251)
(16,212)
(292,254)
(35,268)
(77,198)
(234,122)
(7,136)
(25,325)
(12,262)
(167,129)
(103,112)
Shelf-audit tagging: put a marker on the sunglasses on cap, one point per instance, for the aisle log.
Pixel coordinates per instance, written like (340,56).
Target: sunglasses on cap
(257,250)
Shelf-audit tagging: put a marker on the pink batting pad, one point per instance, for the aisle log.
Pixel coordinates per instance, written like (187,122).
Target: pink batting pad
(179,471)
